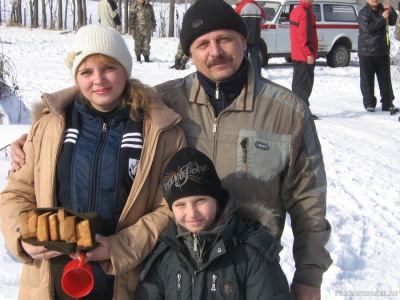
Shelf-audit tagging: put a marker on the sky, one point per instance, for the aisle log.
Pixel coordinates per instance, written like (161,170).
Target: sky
(361,152)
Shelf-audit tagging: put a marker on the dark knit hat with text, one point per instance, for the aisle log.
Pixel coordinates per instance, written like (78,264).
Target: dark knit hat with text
(209,15)
(190,173)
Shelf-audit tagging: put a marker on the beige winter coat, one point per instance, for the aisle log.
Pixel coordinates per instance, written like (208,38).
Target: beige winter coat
(145,215)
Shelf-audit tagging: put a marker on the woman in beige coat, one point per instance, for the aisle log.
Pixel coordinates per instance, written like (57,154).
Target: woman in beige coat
(100,146)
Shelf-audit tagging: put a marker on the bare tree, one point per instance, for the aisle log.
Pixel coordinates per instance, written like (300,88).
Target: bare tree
(65,14)
(171,18)
(52,14)
(73,9)
(44,16)
(80,14)
(84,12)
(59,14)
(34,10)
(126,15)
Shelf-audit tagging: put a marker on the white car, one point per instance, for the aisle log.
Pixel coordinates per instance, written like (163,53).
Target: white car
(337,30)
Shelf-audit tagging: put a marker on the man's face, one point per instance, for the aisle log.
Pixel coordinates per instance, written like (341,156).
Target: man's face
(218,54)
(373,3)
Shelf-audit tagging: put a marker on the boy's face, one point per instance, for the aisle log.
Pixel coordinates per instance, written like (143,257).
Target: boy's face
(195,213)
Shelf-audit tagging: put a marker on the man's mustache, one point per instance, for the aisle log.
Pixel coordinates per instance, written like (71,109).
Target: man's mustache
(219,60)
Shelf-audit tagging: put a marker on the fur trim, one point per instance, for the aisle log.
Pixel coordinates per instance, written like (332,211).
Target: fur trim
(259,211)
(37,111)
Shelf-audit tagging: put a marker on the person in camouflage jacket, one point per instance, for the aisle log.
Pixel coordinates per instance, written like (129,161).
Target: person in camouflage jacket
(142,24)
(180,58)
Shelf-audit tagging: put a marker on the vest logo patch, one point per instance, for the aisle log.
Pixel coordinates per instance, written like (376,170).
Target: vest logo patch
(262,146)
(229,288)
(132,167)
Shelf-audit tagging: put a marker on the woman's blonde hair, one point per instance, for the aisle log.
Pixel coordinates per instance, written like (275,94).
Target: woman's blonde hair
(136,94)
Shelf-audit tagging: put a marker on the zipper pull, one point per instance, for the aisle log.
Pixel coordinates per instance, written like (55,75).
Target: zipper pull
(195,242)
(243,143)
(234,241)
(215,125)
(179,287)
(217,91)
(213,287)
(104,127)
(193,277)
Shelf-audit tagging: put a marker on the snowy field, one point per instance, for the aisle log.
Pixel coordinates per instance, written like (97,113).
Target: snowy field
(361,152)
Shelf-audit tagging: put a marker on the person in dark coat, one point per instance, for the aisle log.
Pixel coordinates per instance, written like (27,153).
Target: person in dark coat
(209,251)
(373,52)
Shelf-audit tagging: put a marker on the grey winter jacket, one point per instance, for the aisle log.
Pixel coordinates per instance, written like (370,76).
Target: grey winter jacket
(235,260)
(265,149)
(372,38)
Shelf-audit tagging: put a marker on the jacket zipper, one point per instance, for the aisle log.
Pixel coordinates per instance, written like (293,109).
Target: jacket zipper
(243,143)
(95,171)
(214,287)
(179,285)
(216,91)
(195,242)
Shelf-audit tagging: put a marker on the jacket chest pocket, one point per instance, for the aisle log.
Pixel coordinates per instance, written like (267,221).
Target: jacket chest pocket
(261,155)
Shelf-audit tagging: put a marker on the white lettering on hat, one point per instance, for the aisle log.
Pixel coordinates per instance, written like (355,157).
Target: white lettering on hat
(185,173)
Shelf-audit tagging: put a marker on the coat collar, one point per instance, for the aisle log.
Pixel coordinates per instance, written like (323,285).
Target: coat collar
(245,100)
(162,116)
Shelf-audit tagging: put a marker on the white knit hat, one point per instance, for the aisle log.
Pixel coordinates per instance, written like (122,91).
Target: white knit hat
(98,39)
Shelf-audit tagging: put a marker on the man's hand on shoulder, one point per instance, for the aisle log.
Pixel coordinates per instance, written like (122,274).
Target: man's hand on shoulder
(17,154)
(304,292)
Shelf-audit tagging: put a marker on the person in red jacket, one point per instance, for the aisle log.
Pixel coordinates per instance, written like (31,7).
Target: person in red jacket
(253,16)
(304,44)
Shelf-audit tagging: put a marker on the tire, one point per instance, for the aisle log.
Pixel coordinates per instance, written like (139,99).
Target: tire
(288,60)
(263,52)
(339,56)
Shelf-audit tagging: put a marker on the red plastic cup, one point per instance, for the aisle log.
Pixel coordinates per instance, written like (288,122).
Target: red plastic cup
(77,280)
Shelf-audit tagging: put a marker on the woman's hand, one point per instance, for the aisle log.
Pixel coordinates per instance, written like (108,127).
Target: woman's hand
(39,252)
(101,252)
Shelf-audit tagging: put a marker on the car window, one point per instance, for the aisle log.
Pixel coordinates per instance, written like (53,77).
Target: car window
(317,12)
(339,13)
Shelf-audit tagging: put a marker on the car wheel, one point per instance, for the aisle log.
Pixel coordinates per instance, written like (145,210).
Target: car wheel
(263,52)
(288,60)
(339,56)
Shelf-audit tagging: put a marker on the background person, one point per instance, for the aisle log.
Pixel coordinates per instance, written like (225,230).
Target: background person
(142,24)
(108,14)
(100,146)
(207,240)
(254,17)
(304,49)
(373,52)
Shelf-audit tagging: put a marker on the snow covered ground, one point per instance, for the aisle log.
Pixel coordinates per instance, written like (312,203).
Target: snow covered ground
(361,152)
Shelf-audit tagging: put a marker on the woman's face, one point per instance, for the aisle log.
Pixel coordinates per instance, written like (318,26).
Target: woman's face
(101,82)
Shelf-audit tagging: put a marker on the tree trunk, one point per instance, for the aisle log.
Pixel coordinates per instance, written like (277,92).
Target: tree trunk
(171,18)
(52,25)
(44,17)
(65,14)
(80,15)
(73,14)
(84,12)
(35,14)
(19,12)
(126,16)
(59,15)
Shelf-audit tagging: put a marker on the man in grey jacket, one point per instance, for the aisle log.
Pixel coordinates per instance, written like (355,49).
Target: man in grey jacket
(260,136)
